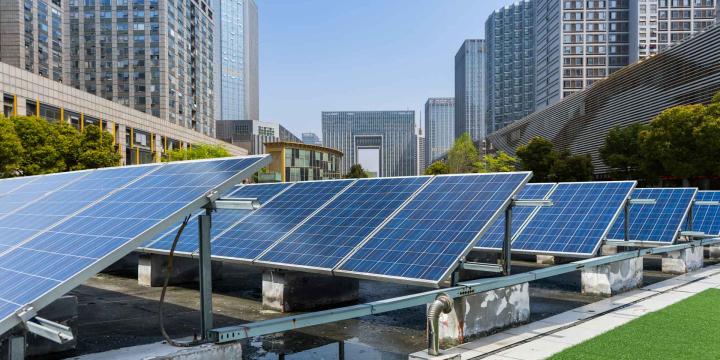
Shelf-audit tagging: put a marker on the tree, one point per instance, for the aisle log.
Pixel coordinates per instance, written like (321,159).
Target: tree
(716,98)
(201,151)
(11,150)
(671,140)
(500,162)
(621,151)
(463,156)
(538,156)
(437,168)
(42,144)
(356,172)
(96,150)
(567,167)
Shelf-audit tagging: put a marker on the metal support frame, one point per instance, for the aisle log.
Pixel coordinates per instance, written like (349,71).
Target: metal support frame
(507,239)
(205,274)
(45,328)
(265,327)
(14,348)
(626,212)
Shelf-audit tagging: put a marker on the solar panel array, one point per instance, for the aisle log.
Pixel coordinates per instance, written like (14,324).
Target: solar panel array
(656,223)
(86,220)
(494,237)
(578,220)
(706,218)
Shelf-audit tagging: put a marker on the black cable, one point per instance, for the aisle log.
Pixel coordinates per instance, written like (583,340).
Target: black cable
(164,290)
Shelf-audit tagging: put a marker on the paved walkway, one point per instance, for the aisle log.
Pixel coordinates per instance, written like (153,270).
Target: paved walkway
(542,339)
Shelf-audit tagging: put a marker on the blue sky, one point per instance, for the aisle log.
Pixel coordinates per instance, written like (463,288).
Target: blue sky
(324,55)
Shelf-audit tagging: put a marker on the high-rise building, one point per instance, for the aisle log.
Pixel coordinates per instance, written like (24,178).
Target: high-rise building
(31,36)
(510,65)
(576,44)
(390,134)
(439,127)
(311,139)
(236,59)
(420,152)
(657,24)
(253,134)
(470,89)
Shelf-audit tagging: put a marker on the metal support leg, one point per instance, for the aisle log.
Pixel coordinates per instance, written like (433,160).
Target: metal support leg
(206,322)
(506,241)
(626,222)
(14,348)
(690,218)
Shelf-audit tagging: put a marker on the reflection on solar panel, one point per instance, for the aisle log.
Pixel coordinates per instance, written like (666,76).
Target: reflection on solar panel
(12,184)
(51,262)
(493,238)
(328,236)
(265,226)
(222,219)
(425,240)
(578,220)
(706,218)
(660,222)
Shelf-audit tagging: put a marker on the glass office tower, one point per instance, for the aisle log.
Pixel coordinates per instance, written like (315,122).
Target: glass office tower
(390,133)
(236,59)
(439,127)
(470,89)
(510,67)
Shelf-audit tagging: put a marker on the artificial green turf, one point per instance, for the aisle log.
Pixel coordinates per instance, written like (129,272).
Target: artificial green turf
(689,329)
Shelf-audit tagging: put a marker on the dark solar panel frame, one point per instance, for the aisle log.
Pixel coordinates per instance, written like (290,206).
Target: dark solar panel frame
(706,218)
(118,253)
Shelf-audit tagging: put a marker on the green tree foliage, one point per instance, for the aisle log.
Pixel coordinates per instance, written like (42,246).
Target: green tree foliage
(96,149)
(437,168)
(500,162)
(716,98)
(621,151)
(356,172)
(568,167)
(538,156)
(201,151)
(463,157)
(11,150)
(42,144)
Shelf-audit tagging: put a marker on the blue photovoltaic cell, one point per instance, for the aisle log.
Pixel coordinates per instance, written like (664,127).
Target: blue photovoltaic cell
(660,222)
(327,237)
(39,264)
(577,221)
(494,236)
(425,240)
(221,219)
(12,184)
(706,218)
(264,226)
(57,196)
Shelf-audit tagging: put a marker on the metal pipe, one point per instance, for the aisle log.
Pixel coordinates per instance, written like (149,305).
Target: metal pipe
(626,222)
(507,238)
(206,315)
(443,304)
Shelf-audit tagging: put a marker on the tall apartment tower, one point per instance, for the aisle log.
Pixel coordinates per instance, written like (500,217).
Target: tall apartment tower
(470,89)
(576,44)
(155,56)
(439,127)
(390,133)
(236,60)
(510,66)
(657,24)
(31,36)
(420,152)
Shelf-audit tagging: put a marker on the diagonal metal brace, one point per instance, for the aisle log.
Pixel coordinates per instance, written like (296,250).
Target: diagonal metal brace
(45,328)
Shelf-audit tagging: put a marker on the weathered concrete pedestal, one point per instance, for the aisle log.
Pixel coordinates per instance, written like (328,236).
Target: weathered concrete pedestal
(683,261)
(484,313)
(151,270)
(614,278)
(714,252)
(288,291)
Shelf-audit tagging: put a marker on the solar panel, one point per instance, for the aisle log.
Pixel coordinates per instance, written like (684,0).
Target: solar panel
(222,219)
(706,218)
(578,220)
(660,222)
(257,232)
(51,198)
(331,234)
(425,240)
(11,184)
(46,265)
(494,237)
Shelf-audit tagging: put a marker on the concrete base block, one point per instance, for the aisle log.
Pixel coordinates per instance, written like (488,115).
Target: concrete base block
(608,250)
(714,252)
(288,291)
(682,261)
(614,278)
(484,313)
(151,270)
(162,350)
(545,259)
(64,311)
